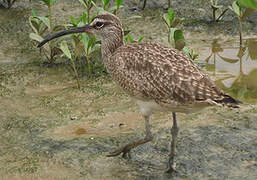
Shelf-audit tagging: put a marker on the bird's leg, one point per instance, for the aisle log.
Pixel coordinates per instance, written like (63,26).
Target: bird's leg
(126,149)
(144,5)
(174,133)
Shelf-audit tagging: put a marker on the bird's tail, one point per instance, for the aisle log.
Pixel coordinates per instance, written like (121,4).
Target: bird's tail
(229,101)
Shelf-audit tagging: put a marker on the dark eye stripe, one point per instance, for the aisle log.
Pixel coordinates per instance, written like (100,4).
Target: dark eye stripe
(98,24)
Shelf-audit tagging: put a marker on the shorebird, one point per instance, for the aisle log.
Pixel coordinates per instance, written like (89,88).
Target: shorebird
(160,78)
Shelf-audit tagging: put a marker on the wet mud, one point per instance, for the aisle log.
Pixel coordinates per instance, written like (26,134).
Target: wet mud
(51,130)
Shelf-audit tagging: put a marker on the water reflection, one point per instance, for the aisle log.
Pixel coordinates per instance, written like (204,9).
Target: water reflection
(235,68)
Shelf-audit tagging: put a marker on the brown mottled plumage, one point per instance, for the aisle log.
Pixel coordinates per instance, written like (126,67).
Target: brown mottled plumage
(151,71)
(160,78)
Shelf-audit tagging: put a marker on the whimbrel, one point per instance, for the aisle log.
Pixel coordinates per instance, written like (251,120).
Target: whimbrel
(160,78)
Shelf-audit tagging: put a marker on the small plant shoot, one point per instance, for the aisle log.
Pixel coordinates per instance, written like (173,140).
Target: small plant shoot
(129,39)
(170,21)
(65,49)
(241,11)
(215,7)
(42,25)
(176,35)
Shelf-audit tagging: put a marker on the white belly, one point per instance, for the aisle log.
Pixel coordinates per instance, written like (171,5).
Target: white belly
(149,107)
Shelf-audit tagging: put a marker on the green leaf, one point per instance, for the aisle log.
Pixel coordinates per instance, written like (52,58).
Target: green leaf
(53,1)
(68,25)
(35,37)
(34,13)
(58,28)
(112,9)
(45,20)
(190,53)
(65,49)
(178,38)
(195,56)
(33,24)
(85,40)
(169,17)
(177,34)
(100,10)
(130,38)
(105,3)
(186,50)
(140,39)
(38,38)
(83,3)
(249,3)
(236,8)
(166,19)
(73,20)
(118,3)
(91,44)
(83,18)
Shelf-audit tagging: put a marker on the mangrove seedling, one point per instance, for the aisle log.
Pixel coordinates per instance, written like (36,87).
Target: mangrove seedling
(88,5)
(65,49)
(176,35)
(44,25)
(129,39)
(107,9)
(237,9)
(170,21)
(118,4)
(215,7)
(190,53)
(105,3)
(241,12)
(83,44)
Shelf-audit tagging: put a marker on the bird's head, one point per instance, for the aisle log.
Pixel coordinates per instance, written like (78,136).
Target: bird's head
(104,25)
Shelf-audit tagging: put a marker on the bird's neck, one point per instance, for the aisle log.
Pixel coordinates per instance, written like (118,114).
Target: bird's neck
(110,43)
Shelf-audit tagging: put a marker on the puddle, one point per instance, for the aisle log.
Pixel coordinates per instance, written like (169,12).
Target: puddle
(99,126)
(233,68)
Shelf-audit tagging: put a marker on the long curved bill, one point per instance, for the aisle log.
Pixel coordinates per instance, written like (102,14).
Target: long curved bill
(82,29)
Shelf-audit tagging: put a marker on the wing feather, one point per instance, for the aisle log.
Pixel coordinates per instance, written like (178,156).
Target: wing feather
(151,71)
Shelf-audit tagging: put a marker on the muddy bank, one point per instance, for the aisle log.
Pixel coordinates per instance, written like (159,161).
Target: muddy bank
(51,130)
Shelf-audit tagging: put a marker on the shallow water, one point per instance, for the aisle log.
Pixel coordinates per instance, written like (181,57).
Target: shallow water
(40,139)
(234,68)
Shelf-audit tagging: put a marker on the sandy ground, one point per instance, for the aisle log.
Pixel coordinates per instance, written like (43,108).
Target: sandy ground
(51,130)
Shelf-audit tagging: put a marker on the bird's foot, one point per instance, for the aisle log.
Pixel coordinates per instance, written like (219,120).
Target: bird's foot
(125,151)
(171,168)
(171,165)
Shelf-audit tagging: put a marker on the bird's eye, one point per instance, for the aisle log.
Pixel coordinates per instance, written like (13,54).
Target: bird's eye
(99,24)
